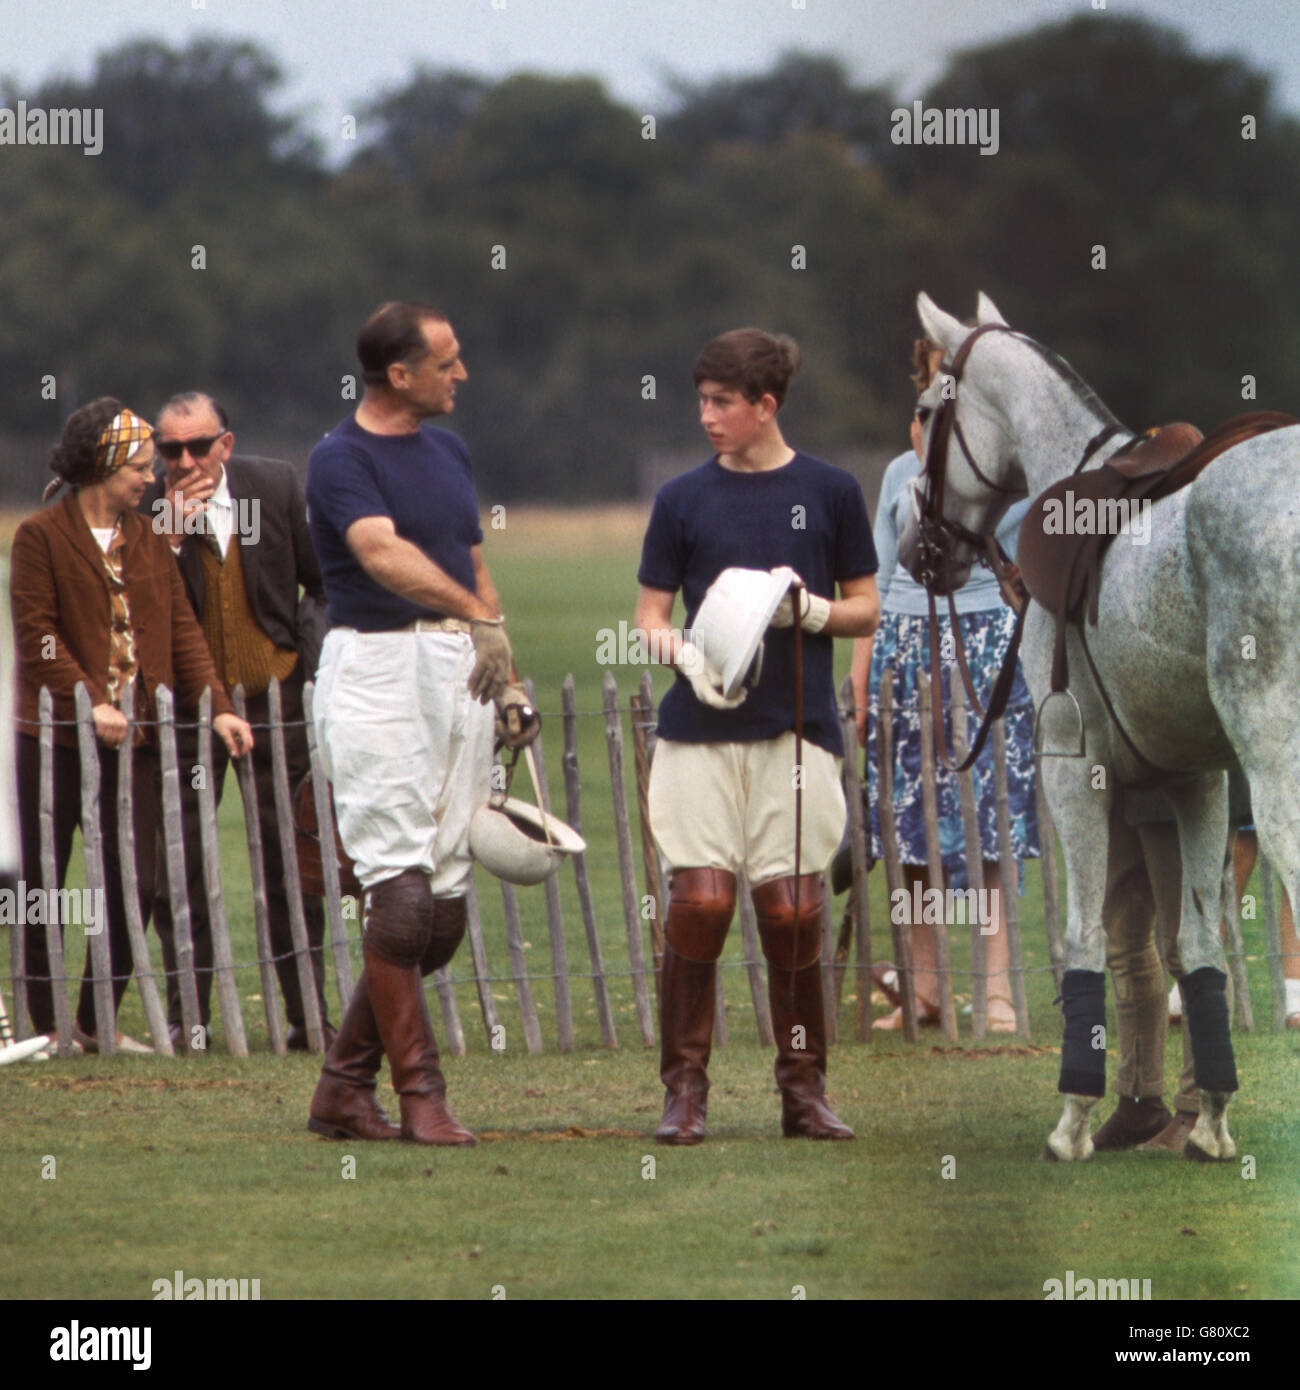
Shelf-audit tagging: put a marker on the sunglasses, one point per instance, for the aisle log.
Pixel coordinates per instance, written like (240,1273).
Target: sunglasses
(172,449)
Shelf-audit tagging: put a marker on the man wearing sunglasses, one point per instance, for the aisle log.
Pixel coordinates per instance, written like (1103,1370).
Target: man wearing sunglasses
(238,527)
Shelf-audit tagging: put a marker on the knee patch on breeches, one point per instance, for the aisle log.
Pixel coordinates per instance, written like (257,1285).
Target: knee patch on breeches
(790,940)
(399,917)
(449,919)
(700,904)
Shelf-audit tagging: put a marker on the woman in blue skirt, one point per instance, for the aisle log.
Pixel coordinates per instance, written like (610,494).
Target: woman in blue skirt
(902,643)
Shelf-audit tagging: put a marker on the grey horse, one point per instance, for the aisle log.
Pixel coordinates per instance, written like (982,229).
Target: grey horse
(1194,646)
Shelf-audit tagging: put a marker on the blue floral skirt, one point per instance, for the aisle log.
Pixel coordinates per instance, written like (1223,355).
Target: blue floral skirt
(902,642)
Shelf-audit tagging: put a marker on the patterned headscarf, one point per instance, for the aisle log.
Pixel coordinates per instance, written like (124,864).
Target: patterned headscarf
(118,443)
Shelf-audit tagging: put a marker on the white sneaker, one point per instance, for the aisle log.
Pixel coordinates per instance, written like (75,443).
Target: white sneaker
(90,1043)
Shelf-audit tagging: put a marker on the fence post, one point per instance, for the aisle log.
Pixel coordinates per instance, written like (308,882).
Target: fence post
(154,1013)
(573,811)
(899,930)
(311,1005)
(1010,877)
(487,1007)
(519,966)
(627,872)
(1273,940)
(92,844)
(257,870)
(1236,951)
(222,957)
(554,912)
(930,690)
(642,714)
(858,894)
(328,857)
(50,877)
(174,852)
(974,855)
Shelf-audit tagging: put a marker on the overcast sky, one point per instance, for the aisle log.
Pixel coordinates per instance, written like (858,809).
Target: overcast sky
(338,54)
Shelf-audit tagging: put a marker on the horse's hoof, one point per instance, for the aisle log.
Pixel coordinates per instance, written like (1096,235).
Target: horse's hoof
(1049,1154)
(1199,1155)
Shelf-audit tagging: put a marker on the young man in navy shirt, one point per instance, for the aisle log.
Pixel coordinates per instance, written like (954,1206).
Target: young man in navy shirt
(722,789)
(415,657)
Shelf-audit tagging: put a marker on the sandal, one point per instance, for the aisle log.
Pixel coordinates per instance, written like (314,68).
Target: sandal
(927,1016)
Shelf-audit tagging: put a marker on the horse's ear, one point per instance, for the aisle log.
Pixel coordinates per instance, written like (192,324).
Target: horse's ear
(988,312)
(939,327)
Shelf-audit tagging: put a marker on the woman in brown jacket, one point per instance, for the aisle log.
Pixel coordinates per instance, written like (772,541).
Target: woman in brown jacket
(96,597)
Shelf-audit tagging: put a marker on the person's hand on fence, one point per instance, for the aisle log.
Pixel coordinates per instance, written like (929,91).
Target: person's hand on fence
(705,679)
(813,609)
(110,725)
(492,670)
(235,733)
(517,722)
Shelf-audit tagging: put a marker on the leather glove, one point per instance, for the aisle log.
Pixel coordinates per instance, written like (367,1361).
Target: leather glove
(705,680)
(491,673)
(517,722)
(815,610)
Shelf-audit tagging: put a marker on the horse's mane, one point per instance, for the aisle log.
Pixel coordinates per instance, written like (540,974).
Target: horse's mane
(1086,396)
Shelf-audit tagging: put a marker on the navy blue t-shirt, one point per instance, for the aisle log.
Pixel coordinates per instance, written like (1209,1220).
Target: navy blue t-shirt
(807,515)
(423,481)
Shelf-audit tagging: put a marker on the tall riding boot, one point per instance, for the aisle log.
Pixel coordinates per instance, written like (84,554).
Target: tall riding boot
(801,1071)
(344,1105)
(791,942)
(687,994)
(398,999)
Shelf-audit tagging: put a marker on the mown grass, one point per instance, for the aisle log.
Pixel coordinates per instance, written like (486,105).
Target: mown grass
(206,1166)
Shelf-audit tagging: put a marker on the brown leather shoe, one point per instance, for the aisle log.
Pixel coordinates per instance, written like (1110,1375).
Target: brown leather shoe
(1133,1123)
(403,1022)
(686,1005)
(344,1105)
(1173,1138)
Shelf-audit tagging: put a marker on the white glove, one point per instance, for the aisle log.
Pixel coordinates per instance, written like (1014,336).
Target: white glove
(816,610)
(705,680)
(491,673)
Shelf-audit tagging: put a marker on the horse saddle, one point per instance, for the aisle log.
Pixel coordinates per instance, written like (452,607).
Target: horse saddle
(1067,530)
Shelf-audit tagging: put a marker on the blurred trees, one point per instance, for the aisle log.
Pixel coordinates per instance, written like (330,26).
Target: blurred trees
(586,250)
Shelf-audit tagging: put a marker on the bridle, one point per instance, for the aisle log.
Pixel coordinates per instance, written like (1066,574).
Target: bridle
(937,533)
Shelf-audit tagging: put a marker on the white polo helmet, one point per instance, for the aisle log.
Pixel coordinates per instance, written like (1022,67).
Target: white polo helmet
(514,841)
(732,618)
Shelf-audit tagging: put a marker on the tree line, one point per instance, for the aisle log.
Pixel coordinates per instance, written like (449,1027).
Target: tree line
(1139,216)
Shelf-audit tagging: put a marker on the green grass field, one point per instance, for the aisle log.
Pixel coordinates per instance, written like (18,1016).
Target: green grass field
(118,1172)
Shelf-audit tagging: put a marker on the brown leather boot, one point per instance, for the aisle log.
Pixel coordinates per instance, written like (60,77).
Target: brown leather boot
(344,1105)
(686,1005)
(398,999)
(1133,1123)
(798,1009)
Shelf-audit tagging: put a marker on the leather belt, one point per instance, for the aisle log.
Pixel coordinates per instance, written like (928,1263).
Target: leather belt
(440,625)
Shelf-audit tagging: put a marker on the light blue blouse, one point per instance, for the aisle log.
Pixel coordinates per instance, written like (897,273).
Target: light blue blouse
(899,592)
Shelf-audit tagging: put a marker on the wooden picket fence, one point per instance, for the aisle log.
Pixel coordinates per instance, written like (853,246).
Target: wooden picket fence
(642,903)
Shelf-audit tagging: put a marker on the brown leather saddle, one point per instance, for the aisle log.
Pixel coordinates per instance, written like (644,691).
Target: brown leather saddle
(1067,530)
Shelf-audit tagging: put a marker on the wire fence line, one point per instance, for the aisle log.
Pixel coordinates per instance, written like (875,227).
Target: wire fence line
(846,954)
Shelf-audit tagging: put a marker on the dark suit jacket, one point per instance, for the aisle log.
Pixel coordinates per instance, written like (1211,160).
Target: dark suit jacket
(59,588)
(282,558)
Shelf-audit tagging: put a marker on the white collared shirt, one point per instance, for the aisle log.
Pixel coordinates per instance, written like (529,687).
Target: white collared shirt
(221,514)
